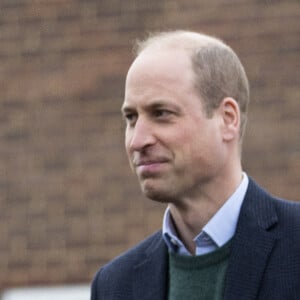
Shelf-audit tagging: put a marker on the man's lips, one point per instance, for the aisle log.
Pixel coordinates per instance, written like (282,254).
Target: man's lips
(149,166)
(147,162)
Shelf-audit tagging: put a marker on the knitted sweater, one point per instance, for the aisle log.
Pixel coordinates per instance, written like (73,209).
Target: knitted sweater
(198,277)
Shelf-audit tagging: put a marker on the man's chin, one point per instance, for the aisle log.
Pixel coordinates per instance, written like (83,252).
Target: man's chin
(156,193)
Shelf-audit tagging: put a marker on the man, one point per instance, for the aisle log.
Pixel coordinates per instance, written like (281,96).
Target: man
(223,237)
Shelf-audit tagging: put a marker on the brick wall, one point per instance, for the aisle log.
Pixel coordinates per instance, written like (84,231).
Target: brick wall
(68,201)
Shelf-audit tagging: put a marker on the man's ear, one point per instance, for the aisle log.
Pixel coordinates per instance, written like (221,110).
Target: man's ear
(230,112)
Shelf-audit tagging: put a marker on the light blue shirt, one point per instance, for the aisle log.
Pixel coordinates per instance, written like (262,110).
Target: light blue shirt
(217,232)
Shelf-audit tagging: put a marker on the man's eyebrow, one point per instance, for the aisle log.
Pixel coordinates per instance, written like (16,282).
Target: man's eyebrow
(163,104)
(126,108)
(157,104)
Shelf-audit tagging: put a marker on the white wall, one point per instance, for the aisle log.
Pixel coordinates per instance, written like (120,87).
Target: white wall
(76,292)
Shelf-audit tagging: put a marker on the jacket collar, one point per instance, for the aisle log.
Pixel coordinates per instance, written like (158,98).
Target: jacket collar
(251,246)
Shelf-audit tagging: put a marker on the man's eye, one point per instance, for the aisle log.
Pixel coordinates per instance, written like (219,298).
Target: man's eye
(130,118)
(161,113)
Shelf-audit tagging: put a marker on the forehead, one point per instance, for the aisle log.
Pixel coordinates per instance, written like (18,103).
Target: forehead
(161,61)
(161,77)
(159,68)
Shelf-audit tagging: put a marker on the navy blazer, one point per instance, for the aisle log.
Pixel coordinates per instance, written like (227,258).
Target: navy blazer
(264,262)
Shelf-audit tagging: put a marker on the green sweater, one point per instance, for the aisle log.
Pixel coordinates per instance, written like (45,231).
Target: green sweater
(198,277)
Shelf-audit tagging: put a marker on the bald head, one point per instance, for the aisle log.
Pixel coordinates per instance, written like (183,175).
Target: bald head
(190,41)
(217,69)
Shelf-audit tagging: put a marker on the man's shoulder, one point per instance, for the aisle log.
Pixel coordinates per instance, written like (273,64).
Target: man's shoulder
(137,252)
(269,211)
(255,191)
(289,212)
(114,280)
(128,259)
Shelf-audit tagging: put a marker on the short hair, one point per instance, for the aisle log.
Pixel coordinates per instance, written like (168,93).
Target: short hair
(218,70)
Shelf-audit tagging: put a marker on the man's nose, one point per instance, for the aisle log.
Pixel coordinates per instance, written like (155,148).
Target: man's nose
(141,136)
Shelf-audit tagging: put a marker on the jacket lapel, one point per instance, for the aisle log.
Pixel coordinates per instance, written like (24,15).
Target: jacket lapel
(150,280)
(251,246)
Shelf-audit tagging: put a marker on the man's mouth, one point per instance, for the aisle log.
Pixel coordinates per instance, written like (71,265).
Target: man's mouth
(149,166)
(148,162)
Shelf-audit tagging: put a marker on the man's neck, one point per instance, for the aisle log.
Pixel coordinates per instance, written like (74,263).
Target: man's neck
(191,215)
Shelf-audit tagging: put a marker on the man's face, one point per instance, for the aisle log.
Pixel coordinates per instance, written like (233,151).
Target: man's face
(172,146)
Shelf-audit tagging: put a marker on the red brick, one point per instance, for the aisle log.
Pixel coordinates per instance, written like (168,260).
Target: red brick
(68,200)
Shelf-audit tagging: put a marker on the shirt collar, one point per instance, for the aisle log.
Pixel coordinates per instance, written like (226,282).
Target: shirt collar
(221,227)
(217,232)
